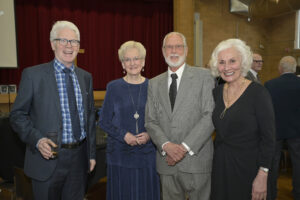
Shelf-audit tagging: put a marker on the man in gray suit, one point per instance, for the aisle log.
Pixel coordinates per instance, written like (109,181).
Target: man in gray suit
(56,99)
(178,119)
(257,64)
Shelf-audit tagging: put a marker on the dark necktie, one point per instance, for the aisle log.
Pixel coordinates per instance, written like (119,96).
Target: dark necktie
(72,105)
(173,90)
(258,79)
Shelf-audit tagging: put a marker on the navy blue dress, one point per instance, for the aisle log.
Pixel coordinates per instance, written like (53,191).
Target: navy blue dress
(131,170)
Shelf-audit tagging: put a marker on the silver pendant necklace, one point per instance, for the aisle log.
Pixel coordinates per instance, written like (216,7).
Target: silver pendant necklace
(136,115)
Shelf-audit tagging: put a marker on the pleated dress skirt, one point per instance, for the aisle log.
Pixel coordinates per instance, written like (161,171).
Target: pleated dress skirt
(132,183)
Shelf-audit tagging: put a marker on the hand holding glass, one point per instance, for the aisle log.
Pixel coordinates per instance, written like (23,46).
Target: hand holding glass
(53,136)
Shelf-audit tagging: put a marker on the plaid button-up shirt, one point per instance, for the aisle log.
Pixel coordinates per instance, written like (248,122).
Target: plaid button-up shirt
(67,134)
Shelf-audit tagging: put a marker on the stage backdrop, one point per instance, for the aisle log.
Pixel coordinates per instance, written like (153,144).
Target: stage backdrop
(103,25)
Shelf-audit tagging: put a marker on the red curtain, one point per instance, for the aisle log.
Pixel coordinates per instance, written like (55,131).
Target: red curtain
(103,25)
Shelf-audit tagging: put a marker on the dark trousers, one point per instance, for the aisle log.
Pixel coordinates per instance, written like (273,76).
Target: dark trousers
(294,151)
(68,182)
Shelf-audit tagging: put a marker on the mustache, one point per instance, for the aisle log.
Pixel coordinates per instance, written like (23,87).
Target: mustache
(173,54)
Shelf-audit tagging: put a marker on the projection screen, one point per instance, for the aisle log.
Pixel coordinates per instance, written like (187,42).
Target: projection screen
(8,42)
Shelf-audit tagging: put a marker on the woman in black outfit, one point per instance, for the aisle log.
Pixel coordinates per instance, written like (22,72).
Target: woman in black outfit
(245,129)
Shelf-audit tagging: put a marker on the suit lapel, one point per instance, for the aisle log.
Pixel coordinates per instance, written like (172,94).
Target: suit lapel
(164,94)
(52,86)
(253,78)
(184,88)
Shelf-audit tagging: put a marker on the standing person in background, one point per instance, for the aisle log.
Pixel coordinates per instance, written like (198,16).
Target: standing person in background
(178,119)
(57,98)
(285,93)
(131,171)
(257,64)
(245,129)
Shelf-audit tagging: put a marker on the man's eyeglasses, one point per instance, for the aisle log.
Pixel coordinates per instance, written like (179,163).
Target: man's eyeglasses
(258,61)
(171,47)
(64,42)
(128,60)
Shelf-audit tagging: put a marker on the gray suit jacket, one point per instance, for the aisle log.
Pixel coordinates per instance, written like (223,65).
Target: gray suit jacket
(190,122)
(251,77)
(37,111)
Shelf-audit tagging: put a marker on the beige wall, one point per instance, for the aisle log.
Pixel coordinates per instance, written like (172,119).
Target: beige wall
(276,34)
(220,24)
(280,43)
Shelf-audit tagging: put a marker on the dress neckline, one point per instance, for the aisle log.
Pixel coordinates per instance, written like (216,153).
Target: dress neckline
(243,94)
(134,83)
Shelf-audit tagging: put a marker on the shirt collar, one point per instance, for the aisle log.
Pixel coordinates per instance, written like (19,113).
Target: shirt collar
(253,72)
(59,67)
(178,72)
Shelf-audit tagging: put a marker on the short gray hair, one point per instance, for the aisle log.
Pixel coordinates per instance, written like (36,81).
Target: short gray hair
(288,64)
(238,45)
(130,45)
(176,33)
(57,26)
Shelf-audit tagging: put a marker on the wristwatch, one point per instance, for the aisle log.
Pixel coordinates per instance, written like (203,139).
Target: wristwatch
(264,169)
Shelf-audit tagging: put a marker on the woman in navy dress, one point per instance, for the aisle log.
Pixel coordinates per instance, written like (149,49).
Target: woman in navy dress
(245,127)
(131,170)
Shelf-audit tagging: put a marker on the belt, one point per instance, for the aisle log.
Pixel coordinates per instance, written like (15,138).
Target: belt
(73,145)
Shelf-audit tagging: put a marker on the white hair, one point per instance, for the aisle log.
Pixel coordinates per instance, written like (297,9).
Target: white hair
(238,45)
(57,26)
(130,45)
(288,64)
(176,33)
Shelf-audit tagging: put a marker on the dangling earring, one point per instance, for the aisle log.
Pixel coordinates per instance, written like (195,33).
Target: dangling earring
(124,71)
(143,69)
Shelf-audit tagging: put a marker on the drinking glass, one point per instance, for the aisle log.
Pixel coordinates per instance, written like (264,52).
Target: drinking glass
(53,136)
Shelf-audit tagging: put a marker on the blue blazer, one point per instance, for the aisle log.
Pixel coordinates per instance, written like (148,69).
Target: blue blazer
(285,93)
(37,111)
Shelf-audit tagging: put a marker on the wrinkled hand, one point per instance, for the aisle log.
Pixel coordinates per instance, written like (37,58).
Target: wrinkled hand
(142,138)
(92,164)
(170,161)
(175,151)
(130,139)
(259,186)
(44,146)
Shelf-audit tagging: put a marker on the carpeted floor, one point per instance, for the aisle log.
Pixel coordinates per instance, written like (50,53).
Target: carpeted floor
(97,192)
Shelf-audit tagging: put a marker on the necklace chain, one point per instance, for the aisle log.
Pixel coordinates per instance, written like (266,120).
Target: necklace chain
(226,98)
(136,115)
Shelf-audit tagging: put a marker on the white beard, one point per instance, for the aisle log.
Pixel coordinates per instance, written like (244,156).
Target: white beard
(175,64)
